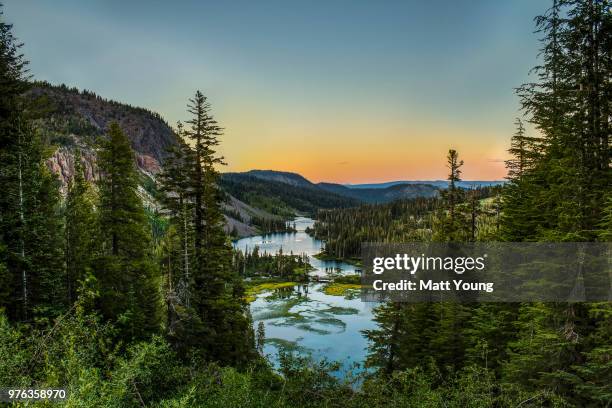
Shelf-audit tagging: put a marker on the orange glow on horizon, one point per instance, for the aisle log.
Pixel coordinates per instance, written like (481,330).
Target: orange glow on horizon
(352,155)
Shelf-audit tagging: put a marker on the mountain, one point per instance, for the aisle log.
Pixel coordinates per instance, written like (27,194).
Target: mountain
(382,194)
(283,198)
(71,119)
(280,191)
(467,184)
(74,118)
(285,177)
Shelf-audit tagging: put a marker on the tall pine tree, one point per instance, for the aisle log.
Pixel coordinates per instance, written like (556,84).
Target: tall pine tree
(126,272)
(30,223)
(81,231)
(218,328)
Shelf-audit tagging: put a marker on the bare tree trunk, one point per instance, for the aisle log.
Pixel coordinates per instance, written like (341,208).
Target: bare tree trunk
(24,277)
(185,255)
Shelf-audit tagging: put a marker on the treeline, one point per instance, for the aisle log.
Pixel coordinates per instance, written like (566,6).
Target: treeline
(253,263)
(267,225)
(69,117)
(92,95)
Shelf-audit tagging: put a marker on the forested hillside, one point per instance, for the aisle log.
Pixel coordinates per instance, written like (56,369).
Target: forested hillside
(279,197)
(71,122)
(271,189)
(382,195)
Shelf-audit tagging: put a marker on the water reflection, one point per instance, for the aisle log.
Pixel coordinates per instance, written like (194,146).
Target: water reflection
(302,318)
(297,243)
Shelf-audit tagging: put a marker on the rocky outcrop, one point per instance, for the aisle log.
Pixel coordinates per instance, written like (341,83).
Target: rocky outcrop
(148,164)
(62,164)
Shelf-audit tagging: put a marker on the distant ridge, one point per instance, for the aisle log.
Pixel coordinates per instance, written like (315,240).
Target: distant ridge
(286,177)
(320,193)
(383,194)
(437,183)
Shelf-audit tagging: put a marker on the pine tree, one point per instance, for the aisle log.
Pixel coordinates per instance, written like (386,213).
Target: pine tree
(605,226)
(30,223)
(215,316)
(80,229)
(570,105)
(178,259)
(561,195)
(523,207)
(448,226)
(452,193)
(127,275)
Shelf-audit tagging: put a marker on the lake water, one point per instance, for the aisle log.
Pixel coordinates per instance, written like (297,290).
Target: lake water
(303,318)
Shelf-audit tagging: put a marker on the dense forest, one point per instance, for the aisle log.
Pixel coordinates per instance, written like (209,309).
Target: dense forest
(96,299)
(254,263)
(343,230)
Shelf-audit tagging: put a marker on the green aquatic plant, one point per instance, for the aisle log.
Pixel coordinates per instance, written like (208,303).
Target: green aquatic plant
(310,328)
(332,322)
(287,346)
(338,310)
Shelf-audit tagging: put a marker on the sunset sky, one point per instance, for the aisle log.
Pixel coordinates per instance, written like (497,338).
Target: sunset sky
(341,91)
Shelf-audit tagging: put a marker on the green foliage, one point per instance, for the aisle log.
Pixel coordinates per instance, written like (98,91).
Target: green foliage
(267,225)
(343,230)
(128,277)
(204,294)
(80,231)
(80,306)
(30,223)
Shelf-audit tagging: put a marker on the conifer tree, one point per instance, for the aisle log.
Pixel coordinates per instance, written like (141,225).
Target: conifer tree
(178,255)
(520,196)
(449,225)
(30,224)
(80,229)
(127,275)
(561,195)
(217,326)
(605,227)
(454,176)
(570,105)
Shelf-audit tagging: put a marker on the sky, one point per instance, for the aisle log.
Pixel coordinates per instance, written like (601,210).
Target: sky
(339,91)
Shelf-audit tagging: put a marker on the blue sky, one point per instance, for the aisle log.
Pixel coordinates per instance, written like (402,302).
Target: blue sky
(348,91)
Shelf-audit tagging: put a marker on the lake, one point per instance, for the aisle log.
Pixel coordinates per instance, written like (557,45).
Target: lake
(303,318)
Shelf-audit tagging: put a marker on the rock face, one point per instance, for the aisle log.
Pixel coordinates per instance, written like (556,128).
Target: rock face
(62,164)
(79,119)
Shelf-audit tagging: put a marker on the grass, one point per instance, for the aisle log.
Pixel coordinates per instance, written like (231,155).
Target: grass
(252,291)
(340,289)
